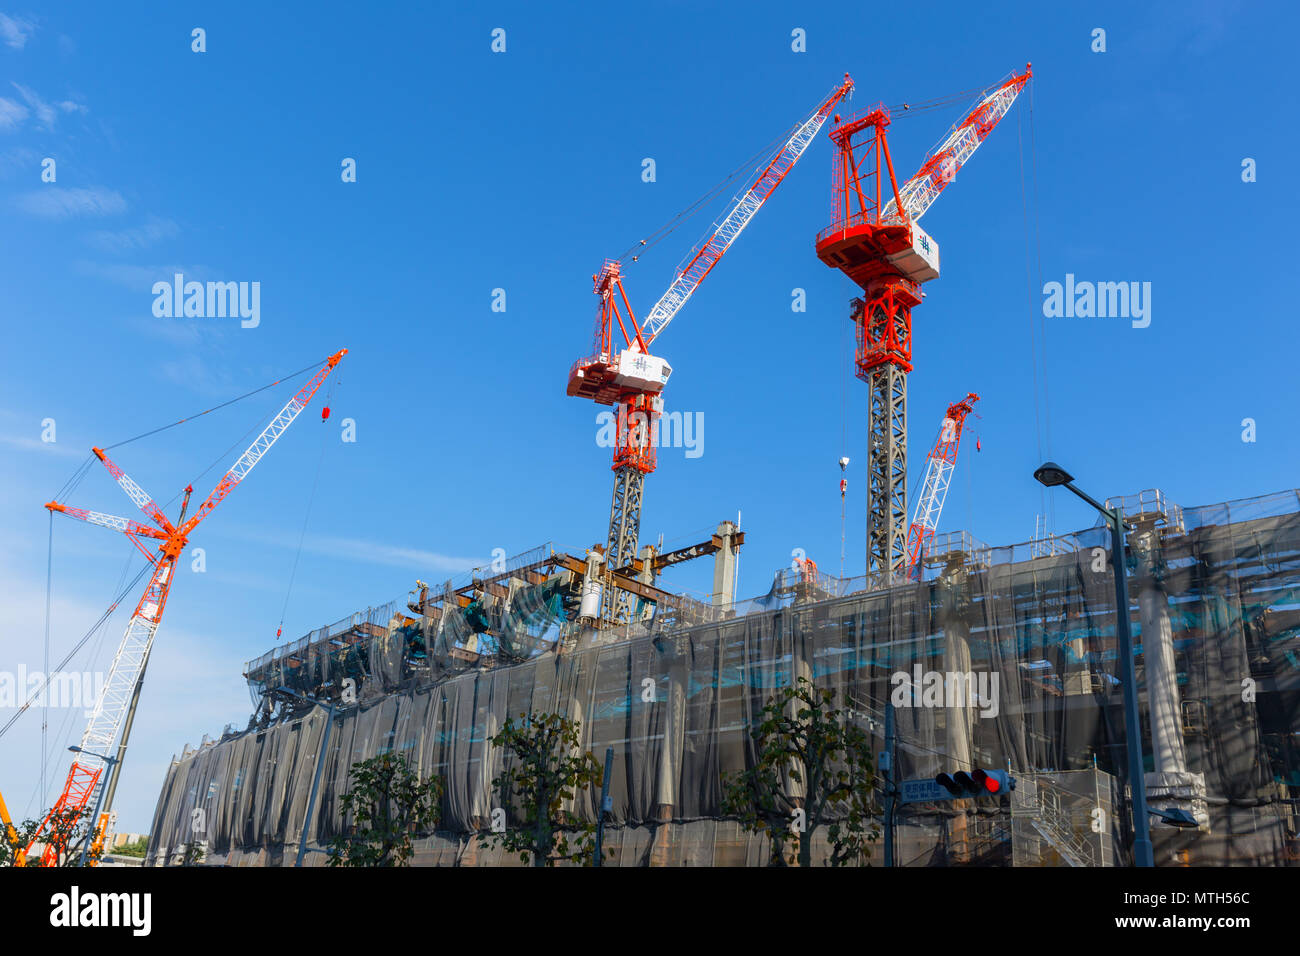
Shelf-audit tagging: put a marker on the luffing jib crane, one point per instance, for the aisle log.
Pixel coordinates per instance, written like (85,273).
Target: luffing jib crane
(938,476)
(114,710)
(628,376)
(877,241)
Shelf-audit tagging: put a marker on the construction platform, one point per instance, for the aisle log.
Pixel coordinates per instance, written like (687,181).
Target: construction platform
(1216,616)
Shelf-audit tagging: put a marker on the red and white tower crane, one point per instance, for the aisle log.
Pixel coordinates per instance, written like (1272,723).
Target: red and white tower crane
(114,709)
(938,476)
(877,241)
(625,374)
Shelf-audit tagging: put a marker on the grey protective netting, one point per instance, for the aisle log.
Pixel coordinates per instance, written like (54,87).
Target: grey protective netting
(1037,620)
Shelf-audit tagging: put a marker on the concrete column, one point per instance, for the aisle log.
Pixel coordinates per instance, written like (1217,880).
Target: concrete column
(959,707)
(647,556)
(724,564)
(668,782)
(1163,701)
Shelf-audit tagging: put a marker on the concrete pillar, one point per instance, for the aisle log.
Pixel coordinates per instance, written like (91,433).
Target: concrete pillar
(668,782)
(724,565)
(647,556)
(959,707)
(1163,701)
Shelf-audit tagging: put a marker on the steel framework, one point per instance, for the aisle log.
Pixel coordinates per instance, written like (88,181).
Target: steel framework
(938,476)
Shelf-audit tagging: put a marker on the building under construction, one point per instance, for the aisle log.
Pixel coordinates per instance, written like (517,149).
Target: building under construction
(1215,614)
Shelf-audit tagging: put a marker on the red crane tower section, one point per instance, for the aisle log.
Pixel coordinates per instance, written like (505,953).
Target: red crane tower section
(876,240)
(938,476)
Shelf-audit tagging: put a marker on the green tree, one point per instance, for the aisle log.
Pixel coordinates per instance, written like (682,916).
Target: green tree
(547,770)
(64,829)
(139,849)
(25,832)
(389,804)
(802,737)
(192,853)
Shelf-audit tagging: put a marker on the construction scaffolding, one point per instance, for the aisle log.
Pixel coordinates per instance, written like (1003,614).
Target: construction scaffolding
(1216,614)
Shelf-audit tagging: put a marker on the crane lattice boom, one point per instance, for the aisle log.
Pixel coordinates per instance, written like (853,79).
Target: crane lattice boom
(939,168)
(262,444)
(938,476)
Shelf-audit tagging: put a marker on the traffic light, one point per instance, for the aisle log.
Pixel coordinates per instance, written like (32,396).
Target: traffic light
(977,783)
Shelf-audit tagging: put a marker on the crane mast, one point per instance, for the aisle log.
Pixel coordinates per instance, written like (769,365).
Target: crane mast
(939,467)
(632,379)
(875,239)
(115,704)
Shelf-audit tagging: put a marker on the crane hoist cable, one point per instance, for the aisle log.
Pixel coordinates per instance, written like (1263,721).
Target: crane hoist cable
(182,421)
(1037,343)
(84,468)
(103,619)
(315,483)
(694,208)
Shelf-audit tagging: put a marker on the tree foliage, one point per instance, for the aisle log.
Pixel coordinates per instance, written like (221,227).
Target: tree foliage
(26,831)
(543,771)
(801,737)
(388,804)
(65,829)
(137,850)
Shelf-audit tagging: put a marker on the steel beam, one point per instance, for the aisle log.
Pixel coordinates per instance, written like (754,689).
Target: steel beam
(624,532)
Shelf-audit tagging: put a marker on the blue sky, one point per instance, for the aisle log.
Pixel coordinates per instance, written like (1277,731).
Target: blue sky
(521,171)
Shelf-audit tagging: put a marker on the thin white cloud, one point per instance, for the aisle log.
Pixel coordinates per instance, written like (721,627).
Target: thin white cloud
(138,237)
(56,202)
(15,31)
(189,334)
(397,556)
(197,375)
(140,277)
(11,113)
(45,448)
(45,114)
(368,552)
(18,158)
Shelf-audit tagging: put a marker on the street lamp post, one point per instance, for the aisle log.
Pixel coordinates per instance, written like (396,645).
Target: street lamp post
(1050,474)
(99,799)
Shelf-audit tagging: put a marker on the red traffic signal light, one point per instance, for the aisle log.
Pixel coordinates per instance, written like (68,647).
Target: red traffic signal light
(977,783)
(994,781)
